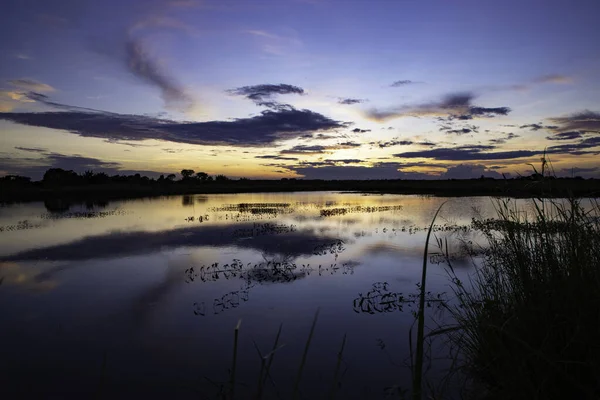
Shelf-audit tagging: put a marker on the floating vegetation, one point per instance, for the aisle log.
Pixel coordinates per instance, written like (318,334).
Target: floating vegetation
(201,218)
(330,212)
(381,300)
(255,274)
(264,229)
(336,247)
(83,214)
(253,208)
(21,225)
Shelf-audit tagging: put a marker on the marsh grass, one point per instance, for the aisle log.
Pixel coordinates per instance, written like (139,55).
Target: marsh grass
(529,319)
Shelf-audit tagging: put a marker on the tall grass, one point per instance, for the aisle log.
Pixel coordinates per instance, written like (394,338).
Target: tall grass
(529,319)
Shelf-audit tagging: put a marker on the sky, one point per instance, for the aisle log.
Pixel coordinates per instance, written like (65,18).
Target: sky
(314,89)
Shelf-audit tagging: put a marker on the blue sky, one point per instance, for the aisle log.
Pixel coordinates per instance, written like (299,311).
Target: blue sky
(300,88)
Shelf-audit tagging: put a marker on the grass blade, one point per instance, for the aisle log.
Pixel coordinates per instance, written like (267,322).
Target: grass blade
(335,383)
(418,364)
(304,356)
(234,360)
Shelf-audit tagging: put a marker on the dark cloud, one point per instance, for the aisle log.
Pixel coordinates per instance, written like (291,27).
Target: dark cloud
(569,135)
(391,143)
(533,127)
(579,148)
(481,152)
(258,93)
(350,101)
(403,82)
(328,162)
(466,153)
(453,106)
(320,149)
(462,131)
(585,121)
(266,128)
(488,112)
(502,140)
(537,127)
(276,157)
(141,64)
(358,130)
(302,149)
(468,171)
(31,149)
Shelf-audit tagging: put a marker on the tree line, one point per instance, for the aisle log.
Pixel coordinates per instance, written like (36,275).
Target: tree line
(62,177)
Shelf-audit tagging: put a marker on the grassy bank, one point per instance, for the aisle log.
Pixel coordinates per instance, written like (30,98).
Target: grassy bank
(529,321)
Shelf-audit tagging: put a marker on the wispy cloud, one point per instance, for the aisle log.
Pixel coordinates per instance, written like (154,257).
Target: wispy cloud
(31,85)
(403,82)
(274,44)
(453,106)
(351,101)
(144,66)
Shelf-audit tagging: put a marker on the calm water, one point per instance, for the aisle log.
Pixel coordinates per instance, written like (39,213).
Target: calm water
(141,297)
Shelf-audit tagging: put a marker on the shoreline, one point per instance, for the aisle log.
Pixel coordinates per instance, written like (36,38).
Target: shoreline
(515,188)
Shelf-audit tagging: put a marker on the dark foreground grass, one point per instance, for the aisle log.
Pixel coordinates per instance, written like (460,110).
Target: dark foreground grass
(529,320)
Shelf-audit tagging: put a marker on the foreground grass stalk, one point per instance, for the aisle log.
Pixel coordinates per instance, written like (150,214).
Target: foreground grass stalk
(418,364)
(304,356)
(234,360)
(335,383)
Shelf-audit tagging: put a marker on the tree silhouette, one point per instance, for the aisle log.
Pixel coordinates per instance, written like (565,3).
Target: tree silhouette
(187,173)
(202,176)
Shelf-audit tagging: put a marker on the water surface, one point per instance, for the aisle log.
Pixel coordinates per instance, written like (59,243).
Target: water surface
(141,297)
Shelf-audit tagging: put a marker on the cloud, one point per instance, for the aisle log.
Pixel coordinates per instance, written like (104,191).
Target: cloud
(31,85)
(481,152)
(466,153)
(264,129)
(384,170)
(537,127)
(350,101)
(570,135)
(584,121)
(553,78)
(159,21)
(35,167)
(468,171)
(319,149)
(452,106)
(507,137)
(141,64)
(31,149)
(402,83)
(391,143)
(274,44)
(577,148)
(276,157)
(259,93)
(358,130)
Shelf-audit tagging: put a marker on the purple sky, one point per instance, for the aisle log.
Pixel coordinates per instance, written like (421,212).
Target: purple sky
(292,88)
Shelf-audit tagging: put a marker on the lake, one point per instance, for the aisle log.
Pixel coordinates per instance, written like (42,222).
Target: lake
(141,297)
